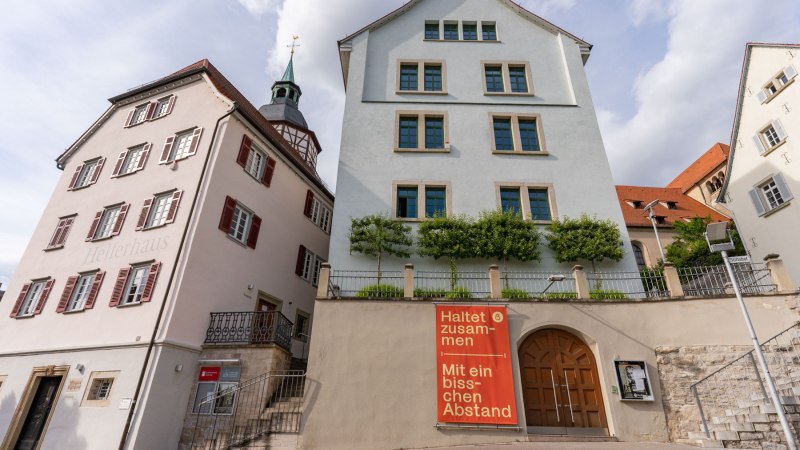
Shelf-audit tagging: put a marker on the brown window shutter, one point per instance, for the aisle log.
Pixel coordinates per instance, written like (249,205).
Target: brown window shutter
(147,293)
(95,289)
(93,228)
(170,105)
(75,176)
(65,231)
(118,165)
(173,206)
(48,286)
(309,203)
(60,235)
(268,172)
(301,256)
(244,150)
(255,227)
(148,202)
(227,214)
(20,299)
(96,172)
(151,108)
(119,286)
(195,141)
(145,154)
(130,116)
(67,294)
(167,149)
(123,211)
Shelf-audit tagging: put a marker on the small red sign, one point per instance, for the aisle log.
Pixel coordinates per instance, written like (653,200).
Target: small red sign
(209,374)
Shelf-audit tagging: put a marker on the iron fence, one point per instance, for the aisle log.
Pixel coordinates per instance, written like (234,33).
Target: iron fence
(458,285)
(739,385)
(539,285)
(647,283)
(239,416)
(263,327)
(714,280)
(366,284)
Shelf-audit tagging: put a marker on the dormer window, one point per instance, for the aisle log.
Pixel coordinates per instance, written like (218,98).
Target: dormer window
(670,205)
(661,220)
(635,204)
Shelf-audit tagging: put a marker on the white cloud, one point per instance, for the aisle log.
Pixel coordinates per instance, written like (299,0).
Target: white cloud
(544,7)
(259,7)
(643,11)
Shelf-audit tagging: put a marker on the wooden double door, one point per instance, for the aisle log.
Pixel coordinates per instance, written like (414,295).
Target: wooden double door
(561,387)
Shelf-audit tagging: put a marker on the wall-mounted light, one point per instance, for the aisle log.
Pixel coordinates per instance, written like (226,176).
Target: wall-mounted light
(80,368)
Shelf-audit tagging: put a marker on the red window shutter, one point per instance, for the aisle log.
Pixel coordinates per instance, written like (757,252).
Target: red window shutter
(173,206)
(301,257)
(20,299)
(268,172)
(119,286)
(75,176)
(67,294)
(252,236)
(123,211)
(130,116)
(150,284)
(309,203)
(151,108)
(145,154)
(95,289)
(195,141)
(96,172)
(118,165)
(244,150)
(60,234)
(167,149)
(227,214)
(48,286)
(93,228)
(170,105)
(65,231)
(148,202)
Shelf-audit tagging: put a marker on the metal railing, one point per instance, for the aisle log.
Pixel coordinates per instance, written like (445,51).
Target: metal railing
(236,417)
(714,280)
(647,283)
(265,327)
(739,385)
(461,285)
(539,285)
(366,284)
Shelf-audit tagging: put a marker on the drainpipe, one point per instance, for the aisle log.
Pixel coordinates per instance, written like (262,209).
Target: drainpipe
(135,402)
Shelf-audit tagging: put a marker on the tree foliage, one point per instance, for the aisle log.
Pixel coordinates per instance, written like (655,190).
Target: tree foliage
(585,238)
(452,238)
(690,249)
(504,235)
(378,235)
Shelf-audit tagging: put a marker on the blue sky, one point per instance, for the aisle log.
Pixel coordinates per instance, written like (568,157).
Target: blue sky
(663,73)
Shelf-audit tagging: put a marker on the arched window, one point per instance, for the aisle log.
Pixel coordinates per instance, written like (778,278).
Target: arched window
(717,183)
(710,187)
(721,176)
(281,93)
(639,254)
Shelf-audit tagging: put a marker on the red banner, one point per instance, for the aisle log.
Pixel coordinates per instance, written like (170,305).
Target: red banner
(475,378)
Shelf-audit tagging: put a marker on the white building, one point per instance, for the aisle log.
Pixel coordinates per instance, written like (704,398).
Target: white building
(763,167)
(181,200)
(462,106)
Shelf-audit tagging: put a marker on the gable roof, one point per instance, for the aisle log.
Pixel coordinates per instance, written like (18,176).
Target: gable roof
(701,168)
(737,115)
(685,206)
(245,108)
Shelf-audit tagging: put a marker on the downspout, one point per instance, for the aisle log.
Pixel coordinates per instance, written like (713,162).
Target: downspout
(135,402)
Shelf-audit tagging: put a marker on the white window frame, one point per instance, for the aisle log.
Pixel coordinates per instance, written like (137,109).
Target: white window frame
(32,298)
(159,210)
(301,334)
(134,285)
(771,194)
(321,215)
(161,108)
(181,146)
(139,114)
(86,174)
(133,157)
(80,293)
(256,162)
(240,224)
(777,84)
(105,228)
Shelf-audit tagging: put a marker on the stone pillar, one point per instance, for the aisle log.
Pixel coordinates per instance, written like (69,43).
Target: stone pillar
(324,281)
(495,286)
(581,283)
(673,281)
(780,276)
(408,281)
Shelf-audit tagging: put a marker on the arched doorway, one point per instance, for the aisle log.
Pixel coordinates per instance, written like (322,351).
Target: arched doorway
(561,386)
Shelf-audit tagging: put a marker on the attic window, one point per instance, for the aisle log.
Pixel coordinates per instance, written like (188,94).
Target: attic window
(671,205)
(636,204)
(661,220)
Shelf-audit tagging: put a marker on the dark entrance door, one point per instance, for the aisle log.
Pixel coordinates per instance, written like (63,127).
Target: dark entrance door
(262,325)
(561,383)
(42,404)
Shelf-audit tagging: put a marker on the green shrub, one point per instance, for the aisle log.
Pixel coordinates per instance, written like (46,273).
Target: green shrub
(515,294)
(430,293)
(459,292)
(607,294)
(560,295)
(380,291)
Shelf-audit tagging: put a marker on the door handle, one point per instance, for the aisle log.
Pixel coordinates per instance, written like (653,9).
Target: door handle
(569,396)
(555,399)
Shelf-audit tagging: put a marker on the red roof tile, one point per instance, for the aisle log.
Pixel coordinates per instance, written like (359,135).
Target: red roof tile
(685,206)
(713,158)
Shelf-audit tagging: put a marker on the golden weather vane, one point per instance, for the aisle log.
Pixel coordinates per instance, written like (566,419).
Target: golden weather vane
(294,43)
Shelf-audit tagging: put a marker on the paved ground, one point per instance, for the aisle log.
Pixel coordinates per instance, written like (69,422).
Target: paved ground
(574,445)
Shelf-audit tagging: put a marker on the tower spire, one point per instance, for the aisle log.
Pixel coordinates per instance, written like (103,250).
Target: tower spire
(288,75)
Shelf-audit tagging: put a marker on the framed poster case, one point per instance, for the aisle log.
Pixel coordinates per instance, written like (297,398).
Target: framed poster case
(634,381)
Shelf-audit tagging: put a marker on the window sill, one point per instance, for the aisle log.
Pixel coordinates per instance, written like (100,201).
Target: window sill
(509,94)
(80,187)
(173,161)
(462,40)
(100,239)
(776,209)
(74,311)
(243,244)
(421,150)
(420,92)
(155,227)
(128,305)
(416,219)
(135,124)
(783,88)
(26,316)
(120,175)
(521,152)
(50,249)
(775,148)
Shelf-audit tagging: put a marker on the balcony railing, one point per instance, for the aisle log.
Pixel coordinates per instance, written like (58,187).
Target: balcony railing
(266,327)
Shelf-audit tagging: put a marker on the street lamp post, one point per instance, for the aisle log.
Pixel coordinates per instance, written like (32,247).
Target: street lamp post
(718,232)
(651,215)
